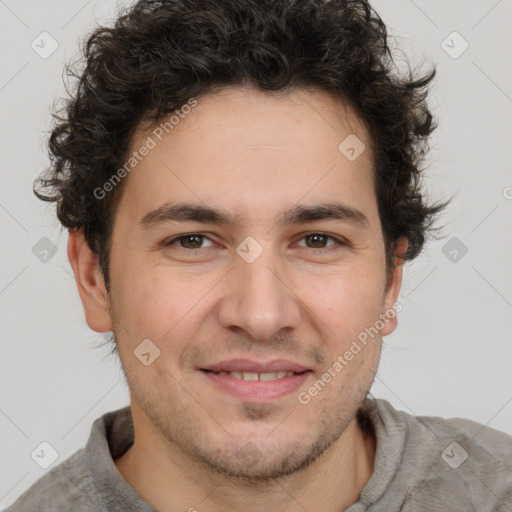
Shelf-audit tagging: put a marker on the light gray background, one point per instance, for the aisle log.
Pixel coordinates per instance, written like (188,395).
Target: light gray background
(451,354)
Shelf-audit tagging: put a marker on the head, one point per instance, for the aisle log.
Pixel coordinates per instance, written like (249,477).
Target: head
(280,138)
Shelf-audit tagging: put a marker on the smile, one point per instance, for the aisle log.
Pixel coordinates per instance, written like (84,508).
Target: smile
(257,386)
(258,376)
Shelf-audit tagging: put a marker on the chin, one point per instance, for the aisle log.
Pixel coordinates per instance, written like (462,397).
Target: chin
(257,459)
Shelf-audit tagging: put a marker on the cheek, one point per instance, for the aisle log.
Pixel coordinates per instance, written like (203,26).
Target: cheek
(141,302)
(346,302)
(157,302)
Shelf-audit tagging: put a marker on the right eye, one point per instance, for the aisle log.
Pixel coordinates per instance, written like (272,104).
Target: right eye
(189,241)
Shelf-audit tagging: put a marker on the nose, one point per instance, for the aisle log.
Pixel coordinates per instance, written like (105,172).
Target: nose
(258,299)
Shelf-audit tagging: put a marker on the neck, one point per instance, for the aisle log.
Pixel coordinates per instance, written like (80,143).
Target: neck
(168,479)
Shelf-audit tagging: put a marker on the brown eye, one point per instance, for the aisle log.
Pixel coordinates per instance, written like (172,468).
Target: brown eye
(191,241)
(320,241)
(316,240)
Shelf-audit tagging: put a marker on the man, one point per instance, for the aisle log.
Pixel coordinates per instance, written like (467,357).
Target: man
(241,183)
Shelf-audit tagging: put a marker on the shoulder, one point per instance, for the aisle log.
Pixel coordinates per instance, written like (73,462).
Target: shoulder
(482,442)
(66,486)
(452,461)
(475,462)
(464,440)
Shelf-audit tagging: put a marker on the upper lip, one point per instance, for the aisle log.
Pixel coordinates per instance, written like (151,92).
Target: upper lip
(245,365)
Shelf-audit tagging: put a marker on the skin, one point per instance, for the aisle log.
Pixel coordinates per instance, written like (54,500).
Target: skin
(254,155)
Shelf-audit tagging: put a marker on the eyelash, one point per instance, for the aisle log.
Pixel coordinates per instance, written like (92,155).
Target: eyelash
(173,241)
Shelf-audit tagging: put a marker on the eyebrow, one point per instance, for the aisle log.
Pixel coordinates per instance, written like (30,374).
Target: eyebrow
(300,214)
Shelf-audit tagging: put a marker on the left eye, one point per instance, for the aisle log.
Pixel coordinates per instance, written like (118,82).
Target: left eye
(193,241)
(320,238)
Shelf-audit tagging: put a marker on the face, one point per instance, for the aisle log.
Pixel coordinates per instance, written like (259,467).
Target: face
(274,268)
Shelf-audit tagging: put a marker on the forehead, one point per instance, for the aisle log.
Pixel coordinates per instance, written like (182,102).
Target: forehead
(258,116)
(240,145)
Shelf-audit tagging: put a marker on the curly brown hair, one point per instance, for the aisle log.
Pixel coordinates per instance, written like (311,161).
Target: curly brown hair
(160,53)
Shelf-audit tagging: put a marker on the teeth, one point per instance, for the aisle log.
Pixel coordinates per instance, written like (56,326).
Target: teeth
(249,376)
(258,376)
(268,376)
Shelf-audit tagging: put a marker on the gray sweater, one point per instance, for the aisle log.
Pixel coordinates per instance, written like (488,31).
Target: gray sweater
(422,464)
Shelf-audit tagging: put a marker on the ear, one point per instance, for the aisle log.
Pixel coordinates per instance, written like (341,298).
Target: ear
(391,296)
(89,279)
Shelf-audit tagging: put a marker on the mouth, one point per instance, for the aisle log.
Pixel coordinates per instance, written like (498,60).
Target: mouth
(266,376)
(254,381)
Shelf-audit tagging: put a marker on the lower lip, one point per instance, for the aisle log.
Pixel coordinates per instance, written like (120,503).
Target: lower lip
(258,390)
